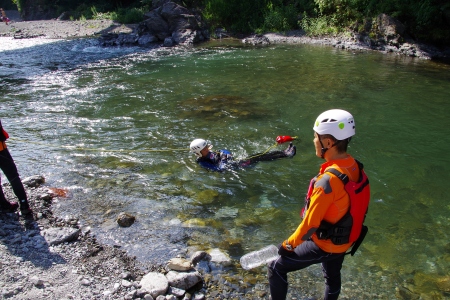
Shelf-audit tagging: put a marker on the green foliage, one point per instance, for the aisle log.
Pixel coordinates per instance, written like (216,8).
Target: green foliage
(122,15)
(83,12)
(280,18)
(19,4)
(236,15)
(146,4)
(130,16)
(307,6)
(319,26)
(102,16)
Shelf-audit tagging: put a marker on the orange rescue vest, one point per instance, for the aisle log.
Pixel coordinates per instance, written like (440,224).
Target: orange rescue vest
(349,228)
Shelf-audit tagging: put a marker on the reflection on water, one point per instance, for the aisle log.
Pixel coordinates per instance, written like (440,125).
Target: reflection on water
(113,127)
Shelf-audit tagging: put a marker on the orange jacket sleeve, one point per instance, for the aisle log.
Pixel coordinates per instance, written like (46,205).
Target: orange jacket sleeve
(321,199)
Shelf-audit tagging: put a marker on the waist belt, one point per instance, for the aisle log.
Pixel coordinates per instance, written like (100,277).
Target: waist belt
(2,146)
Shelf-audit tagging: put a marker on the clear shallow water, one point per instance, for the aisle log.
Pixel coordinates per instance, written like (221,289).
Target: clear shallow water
(71,107)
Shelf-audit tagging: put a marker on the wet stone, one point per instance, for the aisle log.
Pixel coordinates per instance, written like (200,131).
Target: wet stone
(33,181)
(56,235)
(125,219)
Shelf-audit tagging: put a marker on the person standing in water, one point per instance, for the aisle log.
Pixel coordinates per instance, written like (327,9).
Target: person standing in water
(329,227)
(9,168)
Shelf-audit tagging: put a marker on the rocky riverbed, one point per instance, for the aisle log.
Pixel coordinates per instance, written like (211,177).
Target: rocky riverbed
(50,257)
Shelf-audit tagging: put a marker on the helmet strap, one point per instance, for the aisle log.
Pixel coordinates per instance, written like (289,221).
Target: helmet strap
(323,150)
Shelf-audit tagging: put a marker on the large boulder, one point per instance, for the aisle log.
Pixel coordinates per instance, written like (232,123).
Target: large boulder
(156,25)
(178,17)
(390,29)
(168,23)
(187,36)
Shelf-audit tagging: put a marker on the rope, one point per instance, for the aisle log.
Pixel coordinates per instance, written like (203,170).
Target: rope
(97,149)
(273,146)
(259,154)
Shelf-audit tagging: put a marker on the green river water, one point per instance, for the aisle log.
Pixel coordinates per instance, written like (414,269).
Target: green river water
(113,127)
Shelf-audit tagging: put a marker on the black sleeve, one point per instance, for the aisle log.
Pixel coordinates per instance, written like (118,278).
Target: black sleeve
(263,157)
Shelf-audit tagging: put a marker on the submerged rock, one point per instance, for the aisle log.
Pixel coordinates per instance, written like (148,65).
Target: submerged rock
(199,256)
(125,219)
(219,257)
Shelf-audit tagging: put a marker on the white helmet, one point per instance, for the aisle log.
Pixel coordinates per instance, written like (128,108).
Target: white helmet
(198,145)
(336,122)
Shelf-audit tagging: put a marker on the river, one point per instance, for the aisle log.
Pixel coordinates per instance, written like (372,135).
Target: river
(113,126)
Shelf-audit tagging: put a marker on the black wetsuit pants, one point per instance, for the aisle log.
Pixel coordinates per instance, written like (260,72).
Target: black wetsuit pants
(10,170)
(262,157)
(306,254)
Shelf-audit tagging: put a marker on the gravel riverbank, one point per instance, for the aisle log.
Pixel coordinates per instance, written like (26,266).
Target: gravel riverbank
(51,257)
(37,264)
(54,29)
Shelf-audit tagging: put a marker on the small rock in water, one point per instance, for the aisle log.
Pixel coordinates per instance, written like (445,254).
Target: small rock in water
(179,264)
(125,219)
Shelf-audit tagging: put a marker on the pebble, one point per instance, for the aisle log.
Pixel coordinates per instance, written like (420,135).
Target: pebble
(126,283)
(36,281)
(85,282)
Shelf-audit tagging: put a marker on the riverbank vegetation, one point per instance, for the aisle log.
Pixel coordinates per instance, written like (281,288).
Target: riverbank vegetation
(425,20)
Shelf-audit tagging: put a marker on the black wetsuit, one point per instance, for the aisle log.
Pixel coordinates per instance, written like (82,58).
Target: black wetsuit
(223,160)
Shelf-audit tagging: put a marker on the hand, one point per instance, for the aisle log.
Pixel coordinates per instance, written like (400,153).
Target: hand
(283,251)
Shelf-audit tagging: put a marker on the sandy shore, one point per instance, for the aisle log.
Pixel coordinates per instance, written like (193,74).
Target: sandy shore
(54,29)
